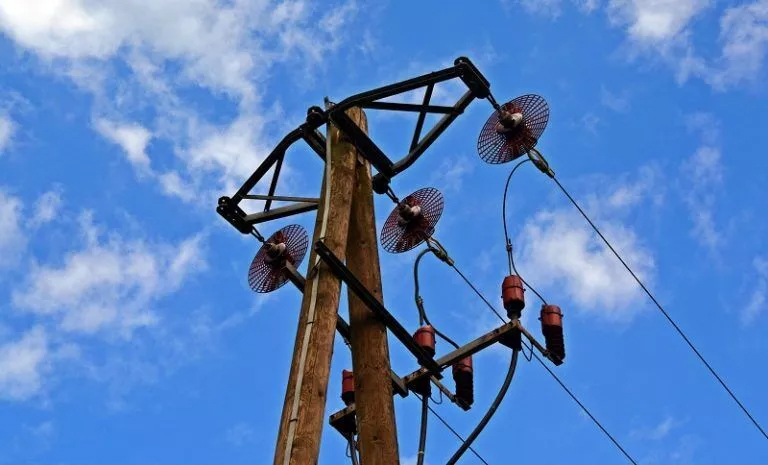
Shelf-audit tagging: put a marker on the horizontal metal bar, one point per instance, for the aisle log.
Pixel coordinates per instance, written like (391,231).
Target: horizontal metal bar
(294,276)
(415,107)
(281,198)
(362,293)
(400,87)
(369,150)
(464,351)
(281,212)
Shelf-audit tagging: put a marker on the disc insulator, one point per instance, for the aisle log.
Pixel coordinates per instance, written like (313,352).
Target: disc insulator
(412,221)
(267,270)
(513,130)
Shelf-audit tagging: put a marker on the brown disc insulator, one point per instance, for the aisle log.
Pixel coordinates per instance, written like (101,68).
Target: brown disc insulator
(347,387)
(463,376)
(513,129)
(513,295)
(412,221)
(267,270)
(425,338)
(552,328)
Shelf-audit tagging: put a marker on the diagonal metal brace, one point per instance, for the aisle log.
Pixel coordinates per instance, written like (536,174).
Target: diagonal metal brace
(362,293)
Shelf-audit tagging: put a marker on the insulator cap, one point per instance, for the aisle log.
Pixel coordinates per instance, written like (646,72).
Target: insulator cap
(552,328)
(425,338)
(347,387)
(463,376)
(513,295)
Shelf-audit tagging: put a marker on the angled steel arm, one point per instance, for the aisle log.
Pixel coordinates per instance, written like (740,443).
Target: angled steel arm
(394,326)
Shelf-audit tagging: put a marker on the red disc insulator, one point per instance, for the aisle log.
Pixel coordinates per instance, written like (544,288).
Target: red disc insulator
(513,295)
(425,338)
(552,328)
(347,387)
(463,376)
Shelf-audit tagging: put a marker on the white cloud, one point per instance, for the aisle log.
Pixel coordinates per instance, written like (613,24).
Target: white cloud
(559,253)
(451,173)
(756,305)
(109,284)
(12,238)
(655,23)
(7,128)
(23,363)
(702,175)
(241,434)
(618,102)
(744,38)
(131,137)
(659,431)
(46,208)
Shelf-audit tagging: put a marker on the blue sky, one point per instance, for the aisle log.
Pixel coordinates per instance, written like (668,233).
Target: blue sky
(128,334)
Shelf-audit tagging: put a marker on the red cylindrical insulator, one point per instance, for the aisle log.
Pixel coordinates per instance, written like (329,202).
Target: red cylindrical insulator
(512,293)
(425,338)
(552,328)
(347,387)
(463,376)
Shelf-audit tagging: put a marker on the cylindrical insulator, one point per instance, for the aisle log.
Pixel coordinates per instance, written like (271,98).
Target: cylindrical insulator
(463,376)
(425,338)
(552,328)
(512,293)
(347,387)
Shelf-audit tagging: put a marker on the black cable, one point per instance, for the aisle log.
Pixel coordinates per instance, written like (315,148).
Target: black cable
(663,312)
(573,396)
(510,256)
(420,302)
(477,292)
(423,431)
(450,428)
(352,449)
(583,408)
(491,410)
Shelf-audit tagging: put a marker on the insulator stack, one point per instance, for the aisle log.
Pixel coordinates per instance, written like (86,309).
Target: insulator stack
(512,293)
(552,328)
(347,387)
(463,376)
(425,338)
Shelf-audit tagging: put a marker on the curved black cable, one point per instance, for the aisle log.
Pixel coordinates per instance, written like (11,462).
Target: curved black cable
(663,312)
(420,302)
(452,430)
(423,431)
(489,414)
(352,449)
(510,257)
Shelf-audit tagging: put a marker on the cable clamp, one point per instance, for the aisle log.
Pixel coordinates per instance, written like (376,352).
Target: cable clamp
(540,162)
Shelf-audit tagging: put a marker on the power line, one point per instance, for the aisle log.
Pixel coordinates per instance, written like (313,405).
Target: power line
(583,407)
(562,384)
(663,312)
(452,430)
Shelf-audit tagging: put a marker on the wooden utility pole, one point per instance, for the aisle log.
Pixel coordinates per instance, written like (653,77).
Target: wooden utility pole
(301,425)
(377,434)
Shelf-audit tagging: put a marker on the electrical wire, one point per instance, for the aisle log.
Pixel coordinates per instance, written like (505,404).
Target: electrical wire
(583,407)
(452,430)
(508,242)
(420,302)
(423,430)
(663,312)
(570,393)
(491,410)
(352,449)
